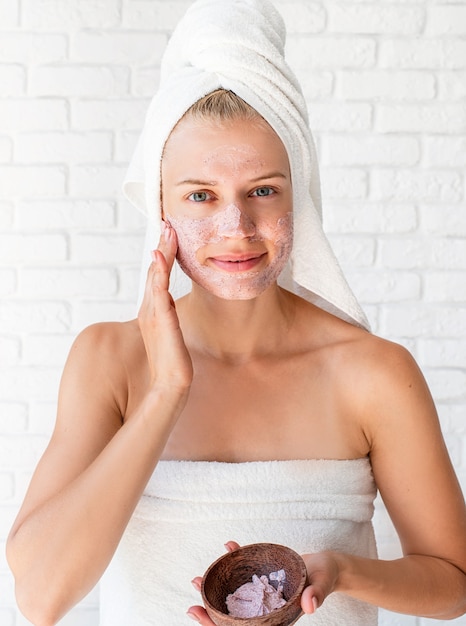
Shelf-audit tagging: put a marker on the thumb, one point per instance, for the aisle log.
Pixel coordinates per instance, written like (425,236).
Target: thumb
(310,600)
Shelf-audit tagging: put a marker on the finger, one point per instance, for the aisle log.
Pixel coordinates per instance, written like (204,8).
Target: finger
(309,600)
(149,281)
(168,243)
(156,295)
(199,614)
(158,275)
(231,546)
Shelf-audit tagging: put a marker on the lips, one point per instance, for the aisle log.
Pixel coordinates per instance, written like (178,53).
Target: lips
(237,262)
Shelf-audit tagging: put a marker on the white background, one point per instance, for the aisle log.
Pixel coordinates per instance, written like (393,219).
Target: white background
(386,87)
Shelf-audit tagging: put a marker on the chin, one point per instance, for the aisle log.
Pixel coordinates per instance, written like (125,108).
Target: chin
(224,287)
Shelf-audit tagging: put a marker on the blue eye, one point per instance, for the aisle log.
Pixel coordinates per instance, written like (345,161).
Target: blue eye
(199,196)
(263,192)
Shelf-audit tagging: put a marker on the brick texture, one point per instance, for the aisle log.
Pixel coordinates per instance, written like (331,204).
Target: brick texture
(386,87)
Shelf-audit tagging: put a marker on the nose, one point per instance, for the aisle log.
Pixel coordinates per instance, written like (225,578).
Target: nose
(232,222)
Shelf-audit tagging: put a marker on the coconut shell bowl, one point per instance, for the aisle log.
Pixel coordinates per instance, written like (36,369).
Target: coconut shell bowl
(236,568)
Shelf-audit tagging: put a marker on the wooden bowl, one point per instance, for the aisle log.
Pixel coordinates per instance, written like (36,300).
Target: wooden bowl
(235,568)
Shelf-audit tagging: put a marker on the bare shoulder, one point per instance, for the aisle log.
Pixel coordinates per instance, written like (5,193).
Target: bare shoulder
(384,383)
(377,382)
(388,375)
(106,338)
(356,353)
(102,361)
(111,345)
(373,359)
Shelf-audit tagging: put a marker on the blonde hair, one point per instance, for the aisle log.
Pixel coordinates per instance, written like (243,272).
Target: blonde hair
(222,105)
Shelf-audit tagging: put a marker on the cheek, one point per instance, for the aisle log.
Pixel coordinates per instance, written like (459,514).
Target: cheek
(284,230)
(191,234)
(279,233)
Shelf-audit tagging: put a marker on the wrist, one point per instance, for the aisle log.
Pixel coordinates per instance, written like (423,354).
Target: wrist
(344,568)
(174,396)
(356,573)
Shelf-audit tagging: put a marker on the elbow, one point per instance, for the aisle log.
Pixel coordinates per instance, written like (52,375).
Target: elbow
(41,606)
(458,608)
(34,603)
(451,615)
(38,611)
(41,602)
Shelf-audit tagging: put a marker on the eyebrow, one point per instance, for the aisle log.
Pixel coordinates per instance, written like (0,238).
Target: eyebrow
(197,182)
(271,175)
(212,183)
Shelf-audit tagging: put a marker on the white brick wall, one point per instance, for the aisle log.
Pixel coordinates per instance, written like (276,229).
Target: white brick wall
(386,86)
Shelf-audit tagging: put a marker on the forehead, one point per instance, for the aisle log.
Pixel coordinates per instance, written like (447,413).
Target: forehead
(221,145)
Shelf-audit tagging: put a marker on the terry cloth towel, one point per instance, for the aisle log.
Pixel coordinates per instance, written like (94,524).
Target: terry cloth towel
(190,509)
(239,45)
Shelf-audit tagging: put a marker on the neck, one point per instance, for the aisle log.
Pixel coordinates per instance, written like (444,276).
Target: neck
(236,330)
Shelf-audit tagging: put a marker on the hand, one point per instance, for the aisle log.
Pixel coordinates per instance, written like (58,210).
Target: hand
(169,361)
(322,575)
(198,613)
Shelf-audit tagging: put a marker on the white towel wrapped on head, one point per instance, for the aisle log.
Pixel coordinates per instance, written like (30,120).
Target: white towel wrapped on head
(239,45)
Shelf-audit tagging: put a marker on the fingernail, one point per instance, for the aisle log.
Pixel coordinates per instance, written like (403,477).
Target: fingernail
(167,232)
(314,602)
(153,255)
(193,616)
(196,587)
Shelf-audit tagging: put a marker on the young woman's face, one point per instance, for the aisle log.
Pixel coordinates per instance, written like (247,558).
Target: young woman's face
(226,190)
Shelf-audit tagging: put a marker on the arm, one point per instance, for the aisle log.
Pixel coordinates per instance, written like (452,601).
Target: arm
(94,470)
(422,495)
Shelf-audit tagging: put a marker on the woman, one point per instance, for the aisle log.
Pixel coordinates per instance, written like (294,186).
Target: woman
(244,411)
